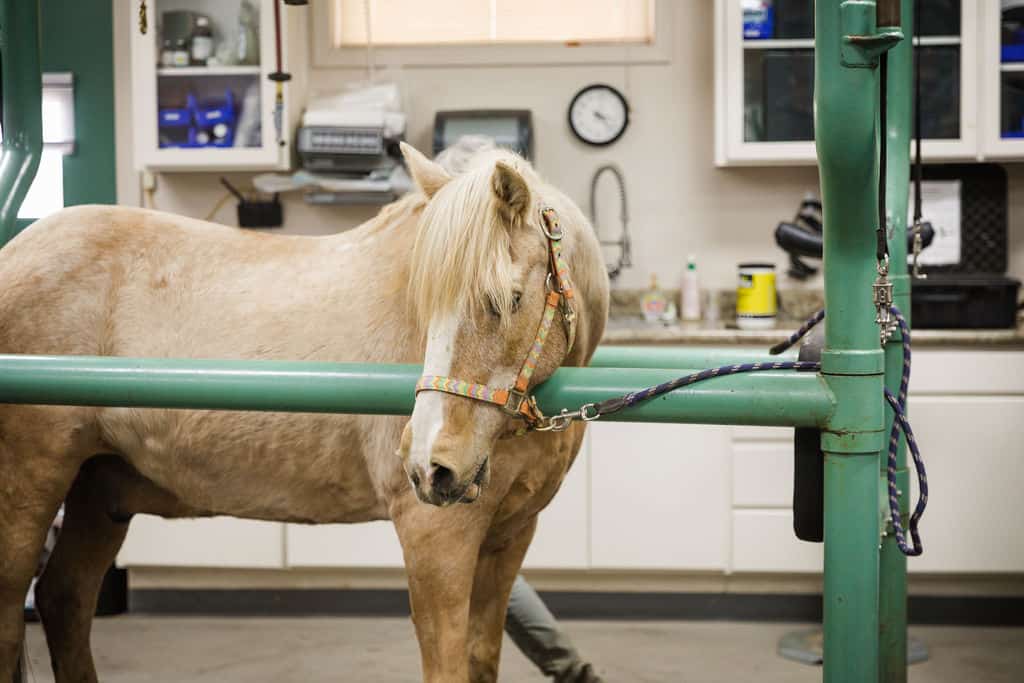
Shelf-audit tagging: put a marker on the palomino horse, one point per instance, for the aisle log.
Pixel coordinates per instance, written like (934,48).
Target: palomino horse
(457,275)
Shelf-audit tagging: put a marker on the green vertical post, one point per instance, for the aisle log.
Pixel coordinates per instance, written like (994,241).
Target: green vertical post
(22,107)
(892,615)
(847,44)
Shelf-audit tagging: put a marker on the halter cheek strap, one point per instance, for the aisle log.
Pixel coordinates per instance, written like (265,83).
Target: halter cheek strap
(516,400)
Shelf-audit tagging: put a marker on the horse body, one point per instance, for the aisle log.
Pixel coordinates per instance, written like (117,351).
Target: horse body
(136,283)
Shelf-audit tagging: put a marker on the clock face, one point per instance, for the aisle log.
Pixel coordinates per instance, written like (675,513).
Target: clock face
(598,115)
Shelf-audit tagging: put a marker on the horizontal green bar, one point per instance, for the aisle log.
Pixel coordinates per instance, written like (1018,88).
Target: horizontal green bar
(767,398)
(681,356)
(783,398)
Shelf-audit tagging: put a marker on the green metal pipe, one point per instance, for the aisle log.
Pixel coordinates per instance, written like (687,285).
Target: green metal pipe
(892,607)
(680,357)
(22,107)
(773,398)
(847,44)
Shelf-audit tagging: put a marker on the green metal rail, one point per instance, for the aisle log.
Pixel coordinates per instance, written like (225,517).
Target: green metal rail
(775,398)
(865,578)
(22,110)
(892,608)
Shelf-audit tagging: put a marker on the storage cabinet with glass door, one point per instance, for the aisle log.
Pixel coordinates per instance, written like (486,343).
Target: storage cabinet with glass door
(201,94)
(1003,78)
(764,60)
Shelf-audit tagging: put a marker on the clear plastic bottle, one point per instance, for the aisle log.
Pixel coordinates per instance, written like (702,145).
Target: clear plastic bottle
(654,303)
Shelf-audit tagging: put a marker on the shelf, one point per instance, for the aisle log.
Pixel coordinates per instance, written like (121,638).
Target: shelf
(778,44)
(246,70)
(1012,66)
(806,43)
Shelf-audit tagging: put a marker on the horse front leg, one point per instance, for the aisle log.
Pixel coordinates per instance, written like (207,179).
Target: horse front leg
(441,546)
(496,571)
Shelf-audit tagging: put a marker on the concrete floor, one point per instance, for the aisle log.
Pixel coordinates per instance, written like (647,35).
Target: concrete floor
(139,649)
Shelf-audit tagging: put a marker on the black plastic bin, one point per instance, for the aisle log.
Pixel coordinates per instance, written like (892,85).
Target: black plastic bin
(962,301)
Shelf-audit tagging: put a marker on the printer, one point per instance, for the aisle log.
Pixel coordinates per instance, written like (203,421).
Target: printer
(348,147)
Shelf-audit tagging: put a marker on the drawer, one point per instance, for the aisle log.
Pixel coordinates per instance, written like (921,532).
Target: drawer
(763,541)
(762,474)
(967,372)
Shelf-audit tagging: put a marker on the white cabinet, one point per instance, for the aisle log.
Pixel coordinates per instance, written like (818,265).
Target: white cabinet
(966,408)
(371,544)
(762,505)
(207,105)
(972,448)
(209,542)
(764,82)
(660,496)
(562,540)
(697,498)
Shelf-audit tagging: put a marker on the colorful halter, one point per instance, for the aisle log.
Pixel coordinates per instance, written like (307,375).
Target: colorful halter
(516,400)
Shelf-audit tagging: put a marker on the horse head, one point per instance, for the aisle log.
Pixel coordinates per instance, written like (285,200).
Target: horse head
(507,284)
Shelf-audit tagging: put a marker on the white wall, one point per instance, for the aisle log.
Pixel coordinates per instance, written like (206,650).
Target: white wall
(680,203)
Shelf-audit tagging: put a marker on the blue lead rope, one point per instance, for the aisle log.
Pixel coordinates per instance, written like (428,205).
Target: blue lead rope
(898,403)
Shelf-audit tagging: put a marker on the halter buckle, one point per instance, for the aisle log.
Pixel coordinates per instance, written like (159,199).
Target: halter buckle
(551,229)
(515,401)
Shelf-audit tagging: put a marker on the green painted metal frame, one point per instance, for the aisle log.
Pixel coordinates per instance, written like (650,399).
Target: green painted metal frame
(845,400)
(770,398)
(22,108)
(892,615)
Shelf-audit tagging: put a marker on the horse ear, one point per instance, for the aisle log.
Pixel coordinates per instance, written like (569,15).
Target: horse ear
(429,176)
(511,190)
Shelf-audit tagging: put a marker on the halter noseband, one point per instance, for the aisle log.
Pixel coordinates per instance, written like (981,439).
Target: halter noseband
(516,400)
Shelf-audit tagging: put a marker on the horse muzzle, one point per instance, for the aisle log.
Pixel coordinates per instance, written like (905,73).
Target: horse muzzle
(441,485)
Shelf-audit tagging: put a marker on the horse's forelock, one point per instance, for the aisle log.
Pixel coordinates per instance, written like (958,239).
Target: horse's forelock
(462,255)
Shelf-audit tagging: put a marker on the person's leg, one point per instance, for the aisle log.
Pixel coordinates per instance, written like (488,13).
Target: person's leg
(536,633)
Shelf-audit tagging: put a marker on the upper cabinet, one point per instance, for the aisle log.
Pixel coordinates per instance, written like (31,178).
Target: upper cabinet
(202,94)
(764,81)
(1002,61)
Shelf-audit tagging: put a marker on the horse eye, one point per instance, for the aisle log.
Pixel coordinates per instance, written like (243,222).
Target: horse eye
(493,308)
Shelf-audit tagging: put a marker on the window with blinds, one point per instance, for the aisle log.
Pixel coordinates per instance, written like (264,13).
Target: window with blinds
(491,22)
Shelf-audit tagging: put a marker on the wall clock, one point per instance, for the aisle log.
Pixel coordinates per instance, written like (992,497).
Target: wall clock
(598,115)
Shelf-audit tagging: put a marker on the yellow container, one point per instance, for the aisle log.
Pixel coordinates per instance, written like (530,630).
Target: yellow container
(756,299)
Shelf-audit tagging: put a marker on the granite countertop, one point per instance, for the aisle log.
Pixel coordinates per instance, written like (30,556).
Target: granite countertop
(626,326)
(634,330)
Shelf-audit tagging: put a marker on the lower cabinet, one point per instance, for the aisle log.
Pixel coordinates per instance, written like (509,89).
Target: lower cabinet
(370,544)
(698,498)
(659,496)
(210,542)
(562,540)
(967,412)
(972,447)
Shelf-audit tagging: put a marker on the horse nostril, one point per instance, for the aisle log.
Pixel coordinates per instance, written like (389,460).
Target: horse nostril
(442,479)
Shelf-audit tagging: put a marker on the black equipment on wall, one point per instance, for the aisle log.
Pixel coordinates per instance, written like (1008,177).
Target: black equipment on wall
(974,292)
(801,238)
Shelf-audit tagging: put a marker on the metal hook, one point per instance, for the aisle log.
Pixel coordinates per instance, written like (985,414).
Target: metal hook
(143,17)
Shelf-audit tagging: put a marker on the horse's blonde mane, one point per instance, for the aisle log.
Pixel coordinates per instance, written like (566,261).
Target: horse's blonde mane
(462,256)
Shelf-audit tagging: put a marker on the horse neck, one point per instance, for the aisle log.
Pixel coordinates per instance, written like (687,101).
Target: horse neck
(374,262)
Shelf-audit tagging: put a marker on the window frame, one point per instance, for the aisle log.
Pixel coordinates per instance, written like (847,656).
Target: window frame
(325,55)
